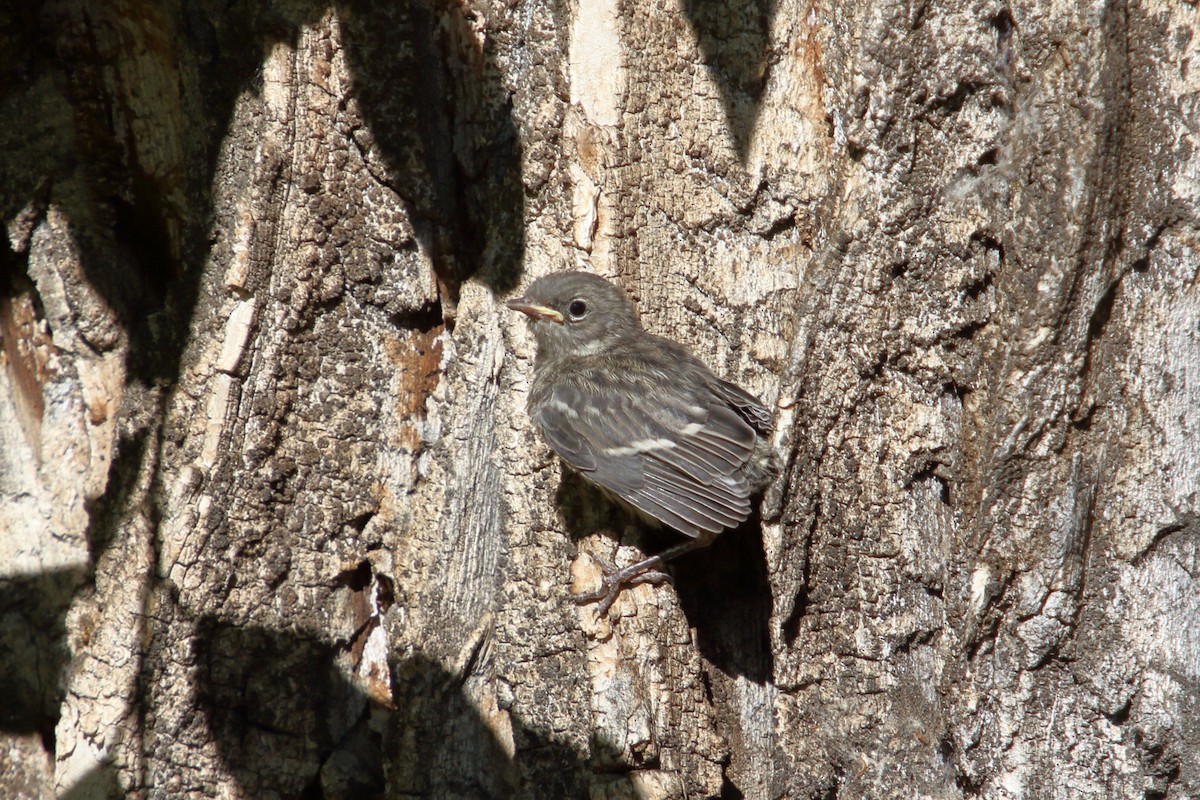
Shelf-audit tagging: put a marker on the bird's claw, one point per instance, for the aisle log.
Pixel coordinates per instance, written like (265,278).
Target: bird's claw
(614,580)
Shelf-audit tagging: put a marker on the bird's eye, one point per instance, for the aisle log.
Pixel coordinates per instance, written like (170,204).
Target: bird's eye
(578,309)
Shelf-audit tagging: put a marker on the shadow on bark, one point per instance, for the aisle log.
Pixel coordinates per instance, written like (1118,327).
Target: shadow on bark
(276,704)
(287,722)
(33,649)
(734,39)
(442,119)
(726,595)
(723,589)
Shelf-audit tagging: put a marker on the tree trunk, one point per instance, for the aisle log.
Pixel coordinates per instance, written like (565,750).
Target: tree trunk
(273,520)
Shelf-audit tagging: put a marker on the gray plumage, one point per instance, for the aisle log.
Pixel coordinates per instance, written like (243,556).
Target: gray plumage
(638,414)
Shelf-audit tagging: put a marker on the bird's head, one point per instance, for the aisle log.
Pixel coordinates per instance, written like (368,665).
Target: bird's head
(576,314)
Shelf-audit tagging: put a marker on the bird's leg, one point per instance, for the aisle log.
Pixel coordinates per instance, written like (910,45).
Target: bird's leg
(645,571)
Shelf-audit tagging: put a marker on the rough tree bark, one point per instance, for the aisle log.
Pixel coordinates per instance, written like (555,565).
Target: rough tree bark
(273,522)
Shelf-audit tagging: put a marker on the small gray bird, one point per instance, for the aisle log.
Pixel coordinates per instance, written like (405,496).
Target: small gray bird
(641,417)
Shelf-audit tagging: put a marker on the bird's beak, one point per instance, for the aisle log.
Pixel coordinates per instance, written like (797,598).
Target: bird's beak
(534,310)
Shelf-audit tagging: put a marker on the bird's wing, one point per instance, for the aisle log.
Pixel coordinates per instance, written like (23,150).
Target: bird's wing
(749,407)
(677,459)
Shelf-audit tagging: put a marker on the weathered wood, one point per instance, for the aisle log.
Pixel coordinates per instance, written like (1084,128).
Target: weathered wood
(273,522)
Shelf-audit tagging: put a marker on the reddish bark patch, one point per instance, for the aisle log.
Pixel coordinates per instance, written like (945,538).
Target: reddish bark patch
(418,357)
(27,350)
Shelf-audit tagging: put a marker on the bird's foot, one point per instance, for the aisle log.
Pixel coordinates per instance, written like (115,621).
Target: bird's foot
(614,580)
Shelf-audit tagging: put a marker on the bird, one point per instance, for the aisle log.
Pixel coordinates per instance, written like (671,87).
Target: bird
(642,418)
